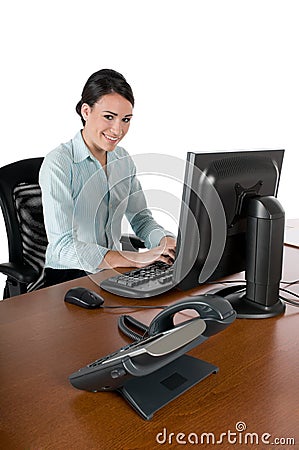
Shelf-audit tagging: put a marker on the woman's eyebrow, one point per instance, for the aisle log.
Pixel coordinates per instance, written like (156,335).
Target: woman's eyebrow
(115,114)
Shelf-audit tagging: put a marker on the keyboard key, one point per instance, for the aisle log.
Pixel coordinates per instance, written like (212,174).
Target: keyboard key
(140,283)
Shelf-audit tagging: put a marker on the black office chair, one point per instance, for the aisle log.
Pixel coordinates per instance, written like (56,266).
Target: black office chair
(20,200)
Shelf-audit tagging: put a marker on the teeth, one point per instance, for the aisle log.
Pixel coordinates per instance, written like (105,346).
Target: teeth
(110,138)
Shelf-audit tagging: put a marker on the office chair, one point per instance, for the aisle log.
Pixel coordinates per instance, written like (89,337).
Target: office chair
(20,200)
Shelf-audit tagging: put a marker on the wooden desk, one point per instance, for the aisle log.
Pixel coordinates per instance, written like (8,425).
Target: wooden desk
(44,340)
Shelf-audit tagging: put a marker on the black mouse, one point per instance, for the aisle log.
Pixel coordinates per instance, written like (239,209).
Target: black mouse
(83,297)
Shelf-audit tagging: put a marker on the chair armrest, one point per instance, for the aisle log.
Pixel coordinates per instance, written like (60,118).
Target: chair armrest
(130,242)
(20,273)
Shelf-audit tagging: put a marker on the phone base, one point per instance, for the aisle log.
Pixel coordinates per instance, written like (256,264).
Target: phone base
(151,392)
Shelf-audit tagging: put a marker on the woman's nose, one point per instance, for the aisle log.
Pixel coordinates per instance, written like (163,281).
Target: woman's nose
(116,127)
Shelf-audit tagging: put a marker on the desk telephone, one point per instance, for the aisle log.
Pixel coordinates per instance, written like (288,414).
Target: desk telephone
(152,371)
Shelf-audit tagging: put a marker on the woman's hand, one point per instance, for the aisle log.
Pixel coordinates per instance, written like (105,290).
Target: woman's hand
(169,246)
(165,252)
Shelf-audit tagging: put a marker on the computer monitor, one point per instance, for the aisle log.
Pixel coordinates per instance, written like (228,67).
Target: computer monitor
(231,221)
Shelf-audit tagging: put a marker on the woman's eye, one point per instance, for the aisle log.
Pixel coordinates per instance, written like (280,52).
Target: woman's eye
(126,119)
(108,117)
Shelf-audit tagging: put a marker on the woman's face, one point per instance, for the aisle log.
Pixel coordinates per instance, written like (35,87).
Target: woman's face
(107,122)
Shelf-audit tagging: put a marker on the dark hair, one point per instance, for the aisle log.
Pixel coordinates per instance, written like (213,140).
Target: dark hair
(103,82)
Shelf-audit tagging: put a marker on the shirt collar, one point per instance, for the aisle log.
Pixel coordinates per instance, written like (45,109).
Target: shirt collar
(80,149)
(82,152)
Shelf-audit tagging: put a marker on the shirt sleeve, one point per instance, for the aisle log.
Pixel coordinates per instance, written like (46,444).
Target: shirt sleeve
(64,250)
(140,217)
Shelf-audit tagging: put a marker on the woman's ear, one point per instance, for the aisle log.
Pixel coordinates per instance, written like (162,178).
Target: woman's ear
(85,111)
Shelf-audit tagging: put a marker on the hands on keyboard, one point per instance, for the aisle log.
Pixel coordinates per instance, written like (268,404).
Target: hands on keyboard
(141,283)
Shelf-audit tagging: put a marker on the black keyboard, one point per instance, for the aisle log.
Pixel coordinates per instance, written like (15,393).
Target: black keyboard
(141,283)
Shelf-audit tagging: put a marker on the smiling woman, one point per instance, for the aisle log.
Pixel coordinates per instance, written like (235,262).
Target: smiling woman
(89,184)
(104,127)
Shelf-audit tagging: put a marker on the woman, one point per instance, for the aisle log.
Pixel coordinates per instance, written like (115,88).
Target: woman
(89,183)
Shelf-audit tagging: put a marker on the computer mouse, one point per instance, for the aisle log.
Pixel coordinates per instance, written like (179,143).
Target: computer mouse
(83,297)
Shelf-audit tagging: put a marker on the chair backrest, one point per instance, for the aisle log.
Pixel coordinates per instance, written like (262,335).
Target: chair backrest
(21,203)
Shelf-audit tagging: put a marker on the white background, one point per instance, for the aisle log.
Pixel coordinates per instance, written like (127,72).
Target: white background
(207,75)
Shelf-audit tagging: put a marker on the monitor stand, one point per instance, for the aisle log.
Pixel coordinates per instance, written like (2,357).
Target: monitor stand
(246,308)
(151,392)
(264,254)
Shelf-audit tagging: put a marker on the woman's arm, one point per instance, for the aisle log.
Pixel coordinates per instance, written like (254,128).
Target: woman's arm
(64,250)
(165,252)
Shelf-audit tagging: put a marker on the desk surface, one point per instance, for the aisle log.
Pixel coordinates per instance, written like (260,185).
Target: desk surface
(44,340)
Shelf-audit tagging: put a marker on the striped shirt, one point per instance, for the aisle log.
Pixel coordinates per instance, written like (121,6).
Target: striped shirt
(84,207)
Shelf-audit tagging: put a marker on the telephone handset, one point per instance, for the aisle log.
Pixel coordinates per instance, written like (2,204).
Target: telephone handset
(155,369)
(162,343)
(216,311)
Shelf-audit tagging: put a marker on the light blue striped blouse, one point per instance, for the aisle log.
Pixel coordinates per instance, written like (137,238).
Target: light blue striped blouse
(84,207)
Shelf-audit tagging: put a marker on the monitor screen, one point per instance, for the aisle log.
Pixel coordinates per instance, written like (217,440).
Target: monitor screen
(213,227)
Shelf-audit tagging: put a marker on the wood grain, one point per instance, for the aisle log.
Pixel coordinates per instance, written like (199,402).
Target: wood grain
(44,340)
